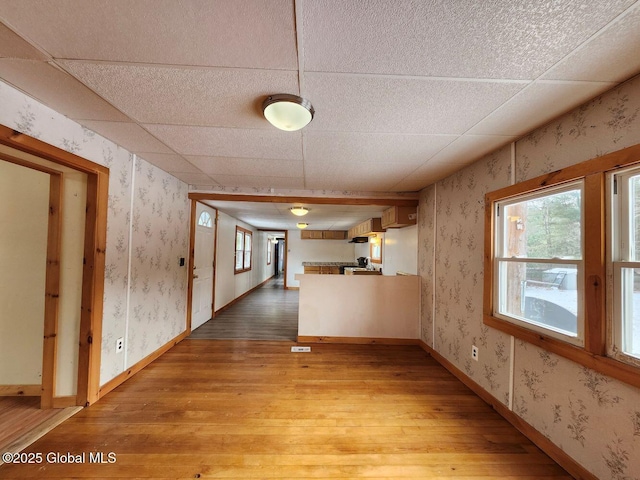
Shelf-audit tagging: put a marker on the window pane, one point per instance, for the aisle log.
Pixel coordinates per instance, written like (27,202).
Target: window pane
(634,212)
(631,311)
(239,241)
(247,250)
(544,227)
(239,260)
(543,294)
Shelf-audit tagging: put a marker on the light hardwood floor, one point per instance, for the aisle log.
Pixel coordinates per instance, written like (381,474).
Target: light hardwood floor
(268,313)
(242,409)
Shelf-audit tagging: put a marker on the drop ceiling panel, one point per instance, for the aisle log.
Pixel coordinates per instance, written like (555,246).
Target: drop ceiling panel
(489,39)
(355,103)
(12,46)
(58,90)
(170,162)
(186,96)
(243,166)
(194,178)
(341,147)
(129,135)
(536,105)
(594,61)
(230,142)
(426,175)
(258,182)
(231,33)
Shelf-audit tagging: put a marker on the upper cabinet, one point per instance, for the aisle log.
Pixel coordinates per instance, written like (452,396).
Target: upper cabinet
(396,217)
(323,234)
(368,227)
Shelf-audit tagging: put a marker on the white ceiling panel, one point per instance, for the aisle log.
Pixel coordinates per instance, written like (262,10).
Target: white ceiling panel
(594,62)
(340,147)
(385,104)
(13,46)
(488,39)
(186,96)
(194,178)
(58,90)
(536,105)
(405,92)
(170,162)
(129,135)
(231,33)
(230,142)
(242,166)
(254,181)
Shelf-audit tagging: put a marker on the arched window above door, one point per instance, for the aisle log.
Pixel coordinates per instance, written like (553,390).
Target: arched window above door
(205,220)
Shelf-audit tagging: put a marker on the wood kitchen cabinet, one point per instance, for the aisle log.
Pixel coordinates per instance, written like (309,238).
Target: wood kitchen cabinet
(368,227)
(322,270)
(397,217)
(323,234)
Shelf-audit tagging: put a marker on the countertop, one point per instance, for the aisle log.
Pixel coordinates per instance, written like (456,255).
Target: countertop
(329,264)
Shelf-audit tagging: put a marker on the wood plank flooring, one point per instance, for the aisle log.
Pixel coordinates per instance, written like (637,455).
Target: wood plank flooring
(243,410)
(268,313)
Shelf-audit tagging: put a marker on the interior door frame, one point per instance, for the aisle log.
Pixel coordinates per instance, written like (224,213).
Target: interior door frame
(286,253)
(52,279)
(192,254)
(95,239)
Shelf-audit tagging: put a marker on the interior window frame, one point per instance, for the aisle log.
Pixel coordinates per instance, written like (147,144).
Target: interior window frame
(596,302)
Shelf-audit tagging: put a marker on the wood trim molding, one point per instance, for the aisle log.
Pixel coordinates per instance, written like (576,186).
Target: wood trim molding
(358,340)
(95,245)
(237,299)
(130,372)
(20,390)
(399,202)
(548,447)
(64,402)
(52,292)
(292,288)
(192,253)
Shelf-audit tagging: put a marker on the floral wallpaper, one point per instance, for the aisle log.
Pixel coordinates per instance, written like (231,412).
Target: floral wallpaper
(593,418)
(158,285)
(145,302)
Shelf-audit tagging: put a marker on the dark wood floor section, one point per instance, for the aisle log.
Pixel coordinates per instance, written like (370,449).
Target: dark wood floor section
(241,410)
(268,313)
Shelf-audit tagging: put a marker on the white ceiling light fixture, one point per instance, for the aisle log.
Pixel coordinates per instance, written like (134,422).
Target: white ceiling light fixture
(299,211)
(287,112)
(302,225)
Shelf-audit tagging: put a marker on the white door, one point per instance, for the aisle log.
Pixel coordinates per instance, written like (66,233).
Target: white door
(202,300)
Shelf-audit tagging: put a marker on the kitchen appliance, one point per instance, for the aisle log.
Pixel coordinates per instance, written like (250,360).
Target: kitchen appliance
(362,262)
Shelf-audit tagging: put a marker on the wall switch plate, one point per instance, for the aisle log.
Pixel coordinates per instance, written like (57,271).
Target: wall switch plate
(119,345)
(300,349)
(181,261)
(474,352)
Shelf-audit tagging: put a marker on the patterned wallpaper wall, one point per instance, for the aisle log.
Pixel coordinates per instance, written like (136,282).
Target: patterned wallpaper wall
(144,302)
(593,418)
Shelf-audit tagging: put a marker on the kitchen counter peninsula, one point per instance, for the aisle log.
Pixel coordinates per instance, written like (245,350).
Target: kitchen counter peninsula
(369,308)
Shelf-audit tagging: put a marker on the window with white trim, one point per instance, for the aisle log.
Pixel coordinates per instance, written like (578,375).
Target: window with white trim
(538,263)
(624,343)
(243,250)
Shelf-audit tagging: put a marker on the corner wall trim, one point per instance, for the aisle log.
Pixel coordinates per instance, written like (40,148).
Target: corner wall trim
(130,372)
(542,442)
(359,340)
(64,402)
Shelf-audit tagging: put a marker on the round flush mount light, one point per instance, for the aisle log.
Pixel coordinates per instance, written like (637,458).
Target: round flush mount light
(302,225)
(287,112)
(299,211)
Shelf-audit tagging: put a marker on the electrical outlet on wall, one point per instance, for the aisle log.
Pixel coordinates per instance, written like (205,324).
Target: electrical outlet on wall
(119,345)
(474,352)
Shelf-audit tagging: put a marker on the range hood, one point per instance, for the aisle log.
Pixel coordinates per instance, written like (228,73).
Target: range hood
(359,240)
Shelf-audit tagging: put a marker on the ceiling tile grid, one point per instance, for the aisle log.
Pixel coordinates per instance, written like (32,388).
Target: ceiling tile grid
(405,92)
